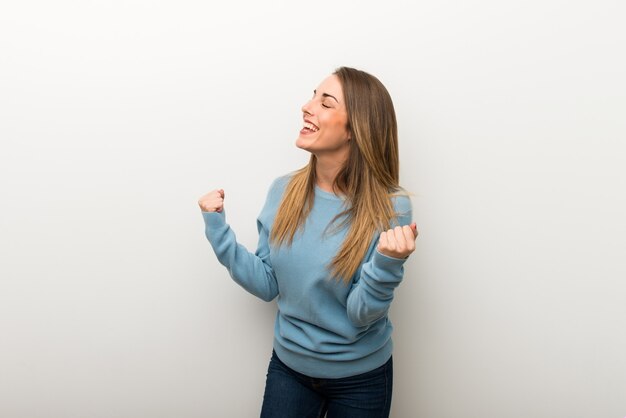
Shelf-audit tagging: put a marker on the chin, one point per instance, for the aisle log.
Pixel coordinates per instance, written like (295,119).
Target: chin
(302,143)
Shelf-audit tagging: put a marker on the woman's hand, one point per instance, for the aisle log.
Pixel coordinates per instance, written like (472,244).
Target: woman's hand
(398,242)
(212,201)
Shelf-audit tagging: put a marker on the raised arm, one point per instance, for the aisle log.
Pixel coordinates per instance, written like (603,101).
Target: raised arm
(251,271)
(371,295)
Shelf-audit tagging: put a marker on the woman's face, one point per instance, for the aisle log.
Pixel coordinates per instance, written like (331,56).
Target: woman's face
(325,130)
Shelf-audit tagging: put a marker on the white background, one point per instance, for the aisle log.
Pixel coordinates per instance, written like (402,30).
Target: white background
(116,116)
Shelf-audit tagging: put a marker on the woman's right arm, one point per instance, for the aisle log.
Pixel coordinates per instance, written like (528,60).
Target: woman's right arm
(251,271)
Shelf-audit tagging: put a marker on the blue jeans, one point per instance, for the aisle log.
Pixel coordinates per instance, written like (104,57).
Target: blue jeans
(289,394)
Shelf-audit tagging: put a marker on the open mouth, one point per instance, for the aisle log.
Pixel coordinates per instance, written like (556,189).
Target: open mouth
(309,128)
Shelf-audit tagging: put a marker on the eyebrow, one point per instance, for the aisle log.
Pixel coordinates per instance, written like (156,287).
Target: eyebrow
(327,95)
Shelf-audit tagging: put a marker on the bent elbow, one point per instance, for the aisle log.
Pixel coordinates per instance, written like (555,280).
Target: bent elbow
(268,297)
(363,318)
(357,320)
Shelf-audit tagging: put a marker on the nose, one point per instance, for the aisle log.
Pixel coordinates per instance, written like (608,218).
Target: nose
(306,108)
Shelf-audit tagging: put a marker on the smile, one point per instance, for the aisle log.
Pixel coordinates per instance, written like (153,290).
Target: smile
(310,127)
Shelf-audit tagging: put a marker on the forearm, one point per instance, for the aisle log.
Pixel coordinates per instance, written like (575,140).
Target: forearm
(251,271)
(370,297)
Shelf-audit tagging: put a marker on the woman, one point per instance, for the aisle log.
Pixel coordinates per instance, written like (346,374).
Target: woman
(333,237)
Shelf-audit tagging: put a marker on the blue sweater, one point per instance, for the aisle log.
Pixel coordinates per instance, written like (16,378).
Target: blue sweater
(323,328)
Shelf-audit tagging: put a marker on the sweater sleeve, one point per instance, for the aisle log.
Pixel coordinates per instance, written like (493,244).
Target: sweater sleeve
(251,271)
(371,295)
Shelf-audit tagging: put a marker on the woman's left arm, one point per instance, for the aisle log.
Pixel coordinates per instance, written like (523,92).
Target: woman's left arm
(371,296)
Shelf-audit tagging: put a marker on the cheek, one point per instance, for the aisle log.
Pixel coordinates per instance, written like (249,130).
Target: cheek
(343,130)
(338,125)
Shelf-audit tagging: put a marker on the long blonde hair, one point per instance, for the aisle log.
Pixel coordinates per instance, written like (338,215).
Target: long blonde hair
(367,180)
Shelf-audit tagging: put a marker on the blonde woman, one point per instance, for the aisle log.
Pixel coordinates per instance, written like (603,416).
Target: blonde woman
(333,238)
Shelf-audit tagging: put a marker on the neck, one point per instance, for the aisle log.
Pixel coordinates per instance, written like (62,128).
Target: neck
(326,170)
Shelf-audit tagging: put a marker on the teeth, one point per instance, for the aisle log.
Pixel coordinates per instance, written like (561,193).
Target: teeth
(310,126)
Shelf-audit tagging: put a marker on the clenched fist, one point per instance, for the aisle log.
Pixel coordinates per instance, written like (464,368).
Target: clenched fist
(212,201)
(398,242)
